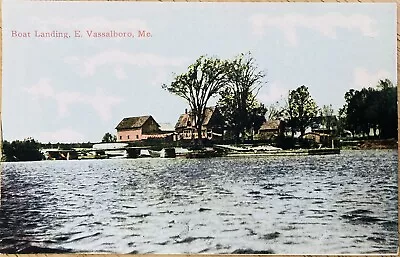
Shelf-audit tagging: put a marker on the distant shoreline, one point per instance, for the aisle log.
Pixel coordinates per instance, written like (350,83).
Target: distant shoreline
(369,144)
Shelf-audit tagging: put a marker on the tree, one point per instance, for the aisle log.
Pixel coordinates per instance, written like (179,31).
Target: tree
(341,123)
(275,111)
(387,112)
(357,103)
(350,110)
(238,103)
(108,138)
(301,110)
(26,150)
(203,80)
(327,117)
(372,109)
(241,122)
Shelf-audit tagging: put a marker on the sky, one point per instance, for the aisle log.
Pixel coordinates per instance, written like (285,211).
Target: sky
(78,88)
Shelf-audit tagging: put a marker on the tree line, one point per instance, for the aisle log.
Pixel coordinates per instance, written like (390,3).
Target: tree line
(26,150)
(236,82)
(371,109)
(29,149)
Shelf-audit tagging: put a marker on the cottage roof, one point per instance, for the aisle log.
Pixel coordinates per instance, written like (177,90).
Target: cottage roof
(270,125)
(182,121)
(134,122)
(185,118)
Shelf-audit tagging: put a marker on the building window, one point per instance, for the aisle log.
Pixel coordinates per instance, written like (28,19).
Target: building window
(128,136)
(137,136)
(120,137)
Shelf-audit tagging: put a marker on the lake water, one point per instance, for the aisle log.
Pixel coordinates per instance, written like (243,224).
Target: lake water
(339,204)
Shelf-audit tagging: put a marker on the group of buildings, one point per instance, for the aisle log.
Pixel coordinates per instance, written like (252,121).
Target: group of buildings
(146,127)
(140,128)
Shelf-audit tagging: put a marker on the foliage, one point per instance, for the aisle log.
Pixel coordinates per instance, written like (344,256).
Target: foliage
(301,110)
(238,104)
(66,146)
(27,150)
(108,138)
(372,109)
(387,109)
(341,123)
(203,80)
(275,111)
(328,118)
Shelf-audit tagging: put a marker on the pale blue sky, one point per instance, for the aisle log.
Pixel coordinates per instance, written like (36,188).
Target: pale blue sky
(77,89)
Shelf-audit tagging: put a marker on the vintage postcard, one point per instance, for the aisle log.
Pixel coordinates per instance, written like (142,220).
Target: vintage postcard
(199,128)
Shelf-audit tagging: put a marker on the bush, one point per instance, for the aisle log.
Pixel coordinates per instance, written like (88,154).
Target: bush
(27,150)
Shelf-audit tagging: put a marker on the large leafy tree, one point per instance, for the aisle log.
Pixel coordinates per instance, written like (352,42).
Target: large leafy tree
(26,150)
(360,110)
(203,80)
(387,113)
(243,113)
(372,109)
(241,123)
(350,111)
(301,110)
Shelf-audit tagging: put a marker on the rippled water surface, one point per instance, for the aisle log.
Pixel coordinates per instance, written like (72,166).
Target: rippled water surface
(343,203)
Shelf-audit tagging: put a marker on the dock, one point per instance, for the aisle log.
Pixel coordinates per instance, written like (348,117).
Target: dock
(237,151)
(107,152)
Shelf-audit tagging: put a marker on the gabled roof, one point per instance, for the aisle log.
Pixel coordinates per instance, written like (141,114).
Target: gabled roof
(182,121)
(270,124)
(184,118)
(134,122)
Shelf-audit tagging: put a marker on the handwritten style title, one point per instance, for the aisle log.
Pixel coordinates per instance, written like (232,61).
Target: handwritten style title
(80,34)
